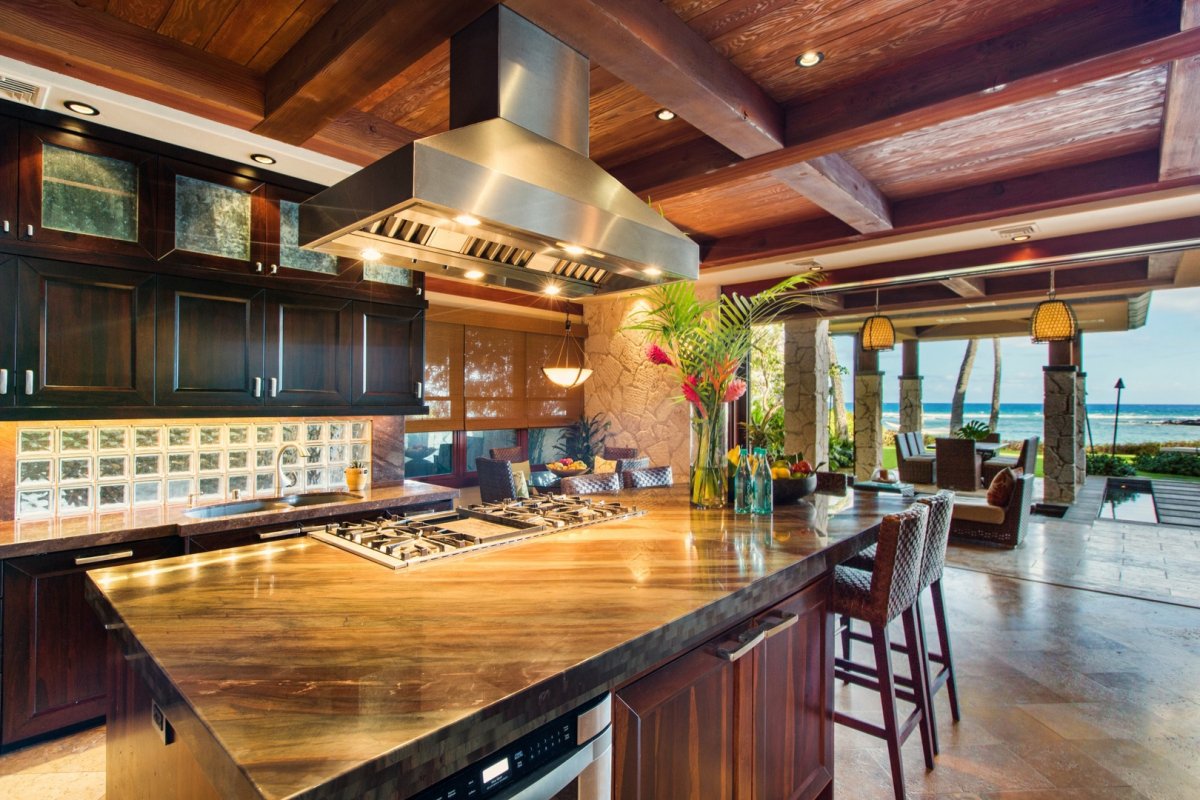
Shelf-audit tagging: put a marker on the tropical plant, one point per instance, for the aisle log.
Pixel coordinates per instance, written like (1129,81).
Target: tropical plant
(960,386)
(1104,464)
(765,428)
(841,453)
(974,430)
(584,439)
(1169,463)
(994,414)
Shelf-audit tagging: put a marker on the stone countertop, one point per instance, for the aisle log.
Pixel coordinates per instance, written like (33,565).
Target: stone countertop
(34,537)
(299,670)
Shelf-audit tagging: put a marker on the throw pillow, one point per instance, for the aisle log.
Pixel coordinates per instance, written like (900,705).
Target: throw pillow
(521,484)
(1000,492)
(523,468)
(604,465)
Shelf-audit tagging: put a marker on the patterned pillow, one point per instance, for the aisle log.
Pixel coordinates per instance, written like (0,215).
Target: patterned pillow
(1000,492)
(604,465)
(523,468)
(521,484)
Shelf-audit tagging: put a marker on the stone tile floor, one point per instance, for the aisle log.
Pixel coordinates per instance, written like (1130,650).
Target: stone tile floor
(1070,689)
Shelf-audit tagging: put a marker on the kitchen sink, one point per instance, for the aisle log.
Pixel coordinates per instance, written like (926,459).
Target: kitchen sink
(316,498)
(235,508)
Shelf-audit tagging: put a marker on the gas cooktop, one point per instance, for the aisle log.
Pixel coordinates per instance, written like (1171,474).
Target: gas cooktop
(397,542)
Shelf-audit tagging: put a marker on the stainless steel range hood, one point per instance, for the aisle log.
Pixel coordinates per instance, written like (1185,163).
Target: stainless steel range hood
(508,195)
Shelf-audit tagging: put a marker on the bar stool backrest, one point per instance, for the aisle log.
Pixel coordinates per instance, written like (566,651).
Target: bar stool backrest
(647,477)
(895,580)
(626,464)
(591,484)
(613,453)
(937,534)
(508,454)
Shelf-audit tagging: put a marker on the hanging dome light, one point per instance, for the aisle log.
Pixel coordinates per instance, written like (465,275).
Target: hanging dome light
(567,369)
(1052,320)
(878,333)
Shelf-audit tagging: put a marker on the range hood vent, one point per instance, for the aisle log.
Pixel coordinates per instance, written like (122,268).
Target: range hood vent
(508,192)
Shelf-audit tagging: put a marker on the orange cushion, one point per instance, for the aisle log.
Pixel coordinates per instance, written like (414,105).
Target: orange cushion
(1000,492)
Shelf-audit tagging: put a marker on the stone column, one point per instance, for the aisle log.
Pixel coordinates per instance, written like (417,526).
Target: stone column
(912,416)
(806,388)
(1080,411)
(868,413)
(1059,407)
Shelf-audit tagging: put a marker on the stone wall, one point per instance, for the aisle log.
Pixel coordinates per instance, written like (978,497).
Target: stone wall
(806,388)
(912,418)
(1059,410)
(868,424)
(637,397)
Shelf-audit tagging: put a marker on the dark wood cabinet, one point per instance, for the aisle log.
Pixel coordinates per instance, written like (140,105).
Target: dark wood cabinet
(84,336)
(8,179)
(716,723)
(54,645)
(8,332)
(86,194)
(308,350)
(389,355)
(210,344)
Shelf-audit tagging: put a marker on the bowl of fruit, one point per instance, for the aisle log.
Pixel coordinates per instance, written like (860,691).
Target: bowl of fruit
(793,480)
(567,467)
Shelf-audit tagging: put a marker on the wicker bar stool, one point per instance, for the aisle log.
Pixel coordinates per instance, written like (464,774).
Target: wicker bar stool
(509,454)
(933,567)
(591,484)
(626,464)
(613,453)
(877,598)
(647,477)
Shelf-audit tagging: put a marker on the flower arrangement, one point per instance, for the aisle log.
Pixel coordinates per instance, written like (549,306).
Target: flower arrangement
(705,343)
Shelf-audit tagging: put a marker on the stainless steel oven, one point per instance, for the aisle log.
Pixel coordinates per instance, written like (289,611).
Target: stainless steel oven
(569,758)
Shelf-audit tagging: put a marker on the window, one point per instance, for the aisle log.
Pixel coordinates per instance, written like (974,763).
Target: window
(480,443)
(428,453)
(544,444)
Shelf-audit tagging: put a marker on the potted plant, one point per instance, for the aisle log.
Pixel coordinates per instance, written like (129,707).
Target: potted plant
(356,475)
(974,430)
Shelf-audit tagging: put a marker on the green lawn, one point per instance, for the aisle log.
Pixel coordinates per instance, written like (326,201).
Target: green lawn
(889,462)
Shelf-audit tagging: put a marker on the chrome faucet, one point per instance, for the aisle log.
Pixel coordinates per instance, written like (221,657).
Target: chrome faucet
(279,464)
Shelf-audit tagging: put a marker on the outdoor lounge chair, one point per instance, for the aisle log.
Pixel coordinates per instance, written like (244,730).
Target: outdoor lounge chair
(916,465)
(976,521)
(1026,460)
(958,465)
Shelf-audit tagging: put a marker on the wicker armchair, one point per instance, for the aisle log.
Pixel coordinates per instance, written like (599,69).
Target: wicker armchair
(992,437)
(1026,460)
(646,477)
(974,520)
(958,465)
(914,463)
(592,484)
(509,453)
(496,481)
(626,464)
(614,453)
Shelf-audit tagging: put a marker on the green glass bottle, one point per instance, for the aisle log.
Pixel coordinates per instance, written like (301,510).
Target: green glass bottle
(743,484)
(763,494)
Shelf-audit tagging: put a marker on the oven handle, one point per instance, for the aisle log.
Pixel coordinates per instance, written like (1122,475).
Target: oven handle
(590,763)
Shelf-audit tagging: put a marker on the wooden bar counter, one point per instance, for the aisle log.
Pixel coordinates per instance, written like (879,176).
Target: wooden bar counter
(298,670)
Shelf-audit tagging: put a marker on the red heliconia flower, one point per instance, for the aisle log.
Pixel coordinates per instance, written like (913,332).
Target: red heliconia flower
(737,388)
(658,356)
(690,394)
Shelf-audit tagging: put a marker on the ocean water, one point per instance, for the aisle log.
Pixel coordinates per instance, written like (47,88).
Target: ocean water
(1138,423)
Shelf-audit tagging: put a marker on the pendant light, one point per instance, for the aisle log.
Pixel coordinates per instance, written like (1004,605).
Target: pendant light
(878,333)
(1052,320)
(562,371)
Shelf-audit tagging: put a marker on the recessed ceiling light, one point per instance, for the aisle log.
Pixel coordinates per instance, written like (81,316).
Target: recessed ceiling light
(810,58)
(467,219)
(665,114)
(653,272)
(1022,237)
(551,289)
(262,158)
(572,249)
(1017,233)
(371,254)
(79,107)
(473,274)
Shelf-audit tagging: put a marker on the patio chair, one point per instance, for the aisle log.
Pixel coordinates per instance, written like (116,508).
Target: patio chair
(1026,460)
(496,482)
(958,465)
(591,484)
(509,453)
(974,520)
(626,464)
(646,478)
(614,453)
(916,465)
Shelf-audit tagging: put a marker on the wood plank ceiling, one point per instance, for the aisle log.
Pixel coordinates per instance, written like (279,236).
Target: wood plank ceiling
(923,114)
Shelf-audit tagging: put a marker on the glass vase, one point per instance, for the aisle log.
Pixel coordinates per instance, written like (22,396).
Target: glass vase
(709,478)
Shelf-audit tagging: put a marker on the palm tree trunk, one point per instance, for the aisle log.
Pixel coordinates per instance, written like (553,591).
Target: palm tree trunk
(960,388)
(994,417)
(841,424)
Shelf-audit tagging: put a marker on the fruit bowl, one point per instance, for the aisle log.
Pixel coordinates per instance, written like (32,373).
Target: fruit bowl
(568,471)
(789,490)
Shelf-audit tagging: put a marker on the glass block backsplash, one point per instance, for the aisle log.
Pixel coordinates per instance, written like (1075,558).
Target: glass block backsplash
(72,468)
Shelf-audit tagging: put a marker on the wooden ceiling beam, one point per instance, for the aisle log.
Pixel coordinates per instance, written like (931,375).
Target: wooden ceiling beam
(360,138)
(966,287)
(1109,179)
(1181,115)
(93,46)
(835,185)
(352,51)
(874,125)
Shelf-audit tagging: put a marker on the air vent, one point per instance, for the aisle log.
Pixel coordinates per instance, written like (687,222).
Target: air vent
(22,91)
(808,265)
(1017,233)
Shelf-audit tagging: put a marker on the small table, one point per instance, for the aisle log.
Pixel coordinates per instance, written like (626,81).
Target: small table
(987,449)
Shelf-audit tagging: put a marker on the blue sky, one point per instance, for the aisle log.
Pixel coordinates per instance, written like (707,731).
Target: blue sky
(1159,362)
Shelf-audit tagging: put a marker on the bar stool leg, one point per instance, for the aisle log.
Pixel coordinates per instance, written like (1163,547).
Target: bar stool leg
(920,682)
(887,697)
(939,613)
(846,639)
(923,649)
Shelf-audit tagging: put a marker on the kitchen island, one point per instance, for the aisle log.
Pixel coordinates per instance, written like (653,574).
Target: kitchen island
(298,670)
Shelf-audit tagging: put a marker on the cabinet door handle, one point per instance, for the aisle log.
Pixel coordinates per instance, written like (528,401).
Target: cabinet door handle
(783,620)
(117,556)
(28,381)
(274,268)
(273,387)
(3,381)
(258,266)
(746,646)
(420,389)
(7,226)
(29,231)
(257,390)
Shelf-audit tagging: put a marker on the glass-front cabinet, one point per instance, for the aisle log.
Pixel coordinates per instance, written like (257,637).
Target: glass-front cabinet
(79,192)
(208,218)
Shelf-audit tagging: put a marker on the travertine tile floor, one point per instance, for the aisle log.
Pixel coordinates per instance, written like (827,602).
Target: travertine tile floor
(1068,694)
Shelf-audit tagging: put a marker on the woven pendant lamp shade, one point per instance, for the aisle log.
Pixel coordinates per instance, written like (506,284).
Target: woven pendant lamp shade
(878,333)
(1052,321)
